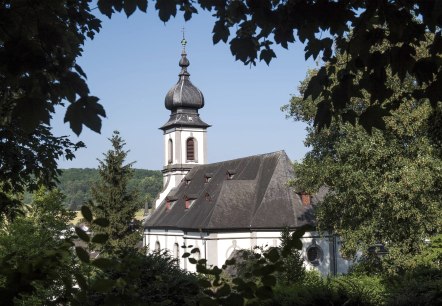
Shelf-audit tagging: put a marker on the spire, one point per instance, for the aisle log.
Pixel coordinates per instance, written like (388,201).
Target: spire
(184,62)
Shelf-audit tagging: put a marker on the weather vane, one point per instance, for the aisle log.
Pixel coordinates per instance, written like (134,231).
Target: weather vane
(183,41)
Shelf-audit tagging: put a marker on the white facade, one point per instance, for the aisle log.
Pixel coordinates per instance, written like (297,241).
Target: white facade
(176,162)
(217,247)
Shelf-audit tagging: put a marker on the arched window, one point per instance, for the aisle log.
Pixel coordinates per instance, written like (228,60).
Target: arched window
(190,149)
(157,246)
(170,152)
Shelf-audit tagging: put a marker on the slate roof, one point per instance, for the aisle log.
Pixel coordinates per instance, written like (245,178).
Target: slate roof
(245,193)
(184,118)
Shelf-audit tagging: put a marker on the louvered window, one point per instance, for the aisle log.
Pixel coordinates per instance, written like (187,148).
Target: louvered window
(190,149)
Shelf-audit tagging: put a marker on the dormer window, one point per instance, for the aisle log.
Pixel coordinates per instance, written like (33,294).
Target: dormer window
(230,174)
(189,201)
(207,177)
(170,201)
(187,181)
(305,198)
(208,197)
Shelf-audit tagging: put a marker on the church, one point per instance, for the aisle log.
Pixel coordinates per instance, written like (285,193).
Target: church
(226,206)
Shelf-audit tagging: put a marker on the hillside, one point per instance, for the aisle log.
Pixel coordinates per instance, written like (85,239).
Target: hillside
(75,183)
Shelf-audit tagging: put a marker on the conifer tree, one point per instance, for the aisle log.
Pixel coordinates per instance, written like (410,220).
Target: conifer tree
(113,200)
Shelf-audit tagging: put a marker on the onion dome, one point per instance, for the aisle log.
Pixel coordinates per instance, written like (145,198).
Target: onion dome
(184,94)
(184,100)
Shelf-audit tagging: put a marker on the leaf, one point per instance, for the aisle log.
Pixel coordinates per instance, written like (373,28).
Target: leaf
(234,299)
(105,7)
(166,9)
(103,222)
(194,250)
(267,55)
(80,70)
(103,263)
(100,238)
(31,112)
(273,255)
(207,301)
(264,292)
(85,111)
(130,6)
(223,291)
(87,213)
(185,255)
(220,32)
(323,115)
(103,285)
(268,280)
(81,280)
(204,283)
(142,5)
(373,117)
(244,49)
(192,260)
(82,254)
(82,234)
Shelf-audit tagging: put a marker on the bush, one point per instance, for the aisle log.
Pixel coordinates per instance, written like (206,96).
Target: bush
(422,286)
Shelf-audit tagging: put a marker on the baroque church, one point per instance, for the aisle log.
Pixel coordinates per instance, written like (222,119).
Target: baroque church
(223,207)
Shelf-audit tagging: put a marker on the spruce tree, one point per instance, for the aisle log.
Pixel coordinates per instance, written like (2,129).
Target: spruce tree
(113,200)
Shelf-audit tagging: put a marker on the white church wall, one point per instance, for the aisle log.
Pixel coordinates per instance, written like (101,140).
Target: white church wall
(217,247)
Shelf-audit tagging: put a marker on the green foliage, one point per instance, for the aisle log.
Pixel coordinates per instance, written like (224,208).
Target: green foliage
(75,184)
(39,44)
(36,263)
(383,187)
(114,201)
(292,262)
(421,286)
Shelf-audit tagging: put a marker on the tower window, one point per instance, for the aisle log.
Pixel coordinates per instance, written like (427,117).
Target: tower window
(190,149)
(170,151)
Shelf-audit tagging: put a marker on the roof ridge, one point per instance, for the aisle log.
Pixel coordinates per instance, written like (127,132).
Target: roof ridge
(280,152)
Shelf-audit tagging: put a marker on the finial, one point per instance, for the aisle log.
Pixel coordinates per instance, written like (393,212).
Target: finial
(184,62)
(183,41)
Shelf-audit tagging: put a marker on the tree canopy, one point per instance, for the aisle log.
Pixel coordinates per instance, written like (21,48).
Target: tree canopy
(383,187)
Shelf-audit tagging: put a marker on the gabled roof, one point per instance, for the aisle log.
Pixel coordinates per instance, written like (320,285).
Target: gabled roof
(244,193)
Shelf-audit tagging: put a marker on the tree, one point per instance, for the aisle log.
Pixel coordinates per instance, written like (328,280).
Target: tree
(384,187)
(36,263)
(39,44)
(114,201)
(292,261)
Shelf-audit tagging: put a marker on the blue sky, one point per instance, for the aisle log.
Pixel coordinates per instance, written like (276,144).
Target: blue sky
(133,62)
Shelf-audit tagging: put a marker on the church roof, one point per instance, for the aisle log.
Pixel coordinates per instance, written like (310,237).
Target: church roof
(244,193)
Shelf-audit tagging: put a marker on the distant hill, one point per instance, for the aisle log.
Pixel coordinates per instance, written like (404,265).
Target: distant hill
(75,183)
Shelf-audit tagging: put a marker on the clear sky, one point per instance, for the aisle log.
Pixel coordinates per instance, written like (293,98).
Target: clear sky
(133,62)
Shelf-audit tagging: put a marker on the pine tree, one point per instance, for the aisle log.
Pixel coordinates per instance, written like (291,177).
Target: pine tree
(113,200)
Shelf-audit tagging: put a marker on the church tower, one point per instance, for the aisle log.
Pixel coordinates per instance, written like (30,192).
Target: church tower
(184,133)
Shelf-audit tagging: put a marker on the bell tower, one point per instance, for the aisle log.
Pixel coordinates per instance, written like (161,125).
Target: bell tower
(185,143)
